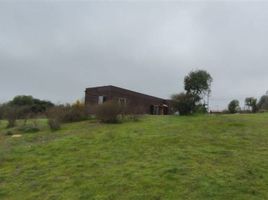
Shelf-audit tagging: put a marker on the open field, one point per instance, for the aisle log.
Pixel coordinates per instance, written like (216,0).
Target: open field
(160,157)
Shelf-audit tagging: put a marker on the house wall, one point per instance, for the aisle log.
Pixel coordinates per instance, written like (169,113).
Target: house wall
(138,102)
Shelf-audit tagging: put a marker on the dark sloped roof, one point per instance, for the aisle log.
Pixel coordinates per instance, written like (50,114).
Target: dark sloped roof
(111,86)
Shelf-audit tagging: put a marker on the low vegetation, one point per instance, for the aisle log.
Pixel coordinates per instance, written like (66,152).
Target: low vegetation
(109,112)
(23,107)
(65,113)
(112,112)
(159,157)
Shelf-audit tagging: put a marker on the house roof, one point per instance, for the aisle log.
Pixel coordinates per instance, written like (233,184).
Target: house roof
(111,86)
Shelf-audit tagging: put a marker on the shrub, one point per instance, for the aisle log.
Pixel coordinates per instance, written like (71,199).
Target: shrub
(29,129)
(11,113)
(109,112)
(135,117)
(66,113)
(9,133)
(184,103)
(54,124)
(74,113)
(133,114)
(200,109)
(11,123)
(55,116)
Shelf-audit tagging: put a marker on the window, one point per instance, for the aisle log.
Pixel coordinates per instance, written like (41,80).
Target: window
(122,101)
(102,99)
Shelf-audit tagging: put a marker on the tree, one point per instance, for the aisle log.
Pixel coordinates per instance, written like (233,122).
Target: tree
(263,103)
(233,106)
(34,105)
(184,103)
(22,100)
(252,103)
(198,84)
(40,106)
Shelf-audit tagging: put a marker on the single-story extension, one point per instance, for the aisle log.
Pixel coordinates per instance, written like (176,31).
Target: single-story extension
(136,102)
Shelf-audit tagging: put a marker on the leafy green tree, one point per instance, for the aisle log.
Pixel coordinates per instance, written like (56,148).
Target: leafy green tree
(32,104)
(22,100)
(233,106)
(263,103)
(183,103)
(198,83)
(40,106)
(252,103)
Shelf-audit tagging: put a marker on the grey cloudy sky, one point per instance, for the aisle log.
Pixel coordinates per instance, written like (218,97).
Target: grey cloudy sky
(54,50)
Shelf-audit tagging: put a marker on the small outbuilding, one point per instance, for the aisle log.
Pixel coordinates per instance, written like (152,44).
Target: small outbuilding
(136,102)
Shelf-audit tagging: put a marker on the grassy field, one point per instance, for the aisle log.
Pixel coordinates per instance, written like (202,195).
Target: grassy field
(160,157)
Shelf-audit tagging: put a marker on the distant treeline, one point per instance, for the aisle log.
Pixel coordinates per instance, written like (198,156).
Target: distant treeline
(27,107)
(251,105)
(23,106)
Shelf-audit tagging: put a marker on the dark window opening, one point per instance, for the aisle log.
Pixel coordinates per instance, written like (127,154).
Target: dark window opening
(102,99)
(122,101)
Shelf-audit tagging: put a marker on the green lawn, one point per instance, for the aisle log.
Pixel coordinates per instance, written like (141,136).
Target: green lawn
(160,157)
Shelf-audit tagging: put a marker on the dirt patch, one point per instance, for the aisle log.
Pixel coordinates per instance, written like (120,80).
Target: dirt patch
(16,136)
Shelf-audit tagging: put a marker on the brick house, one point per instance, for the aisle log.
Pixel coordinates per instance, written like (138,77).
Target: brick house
(137,102)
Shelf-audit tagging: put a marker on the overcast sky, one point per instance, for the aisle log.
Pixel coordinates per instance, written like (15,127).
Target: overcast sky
(54,50)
